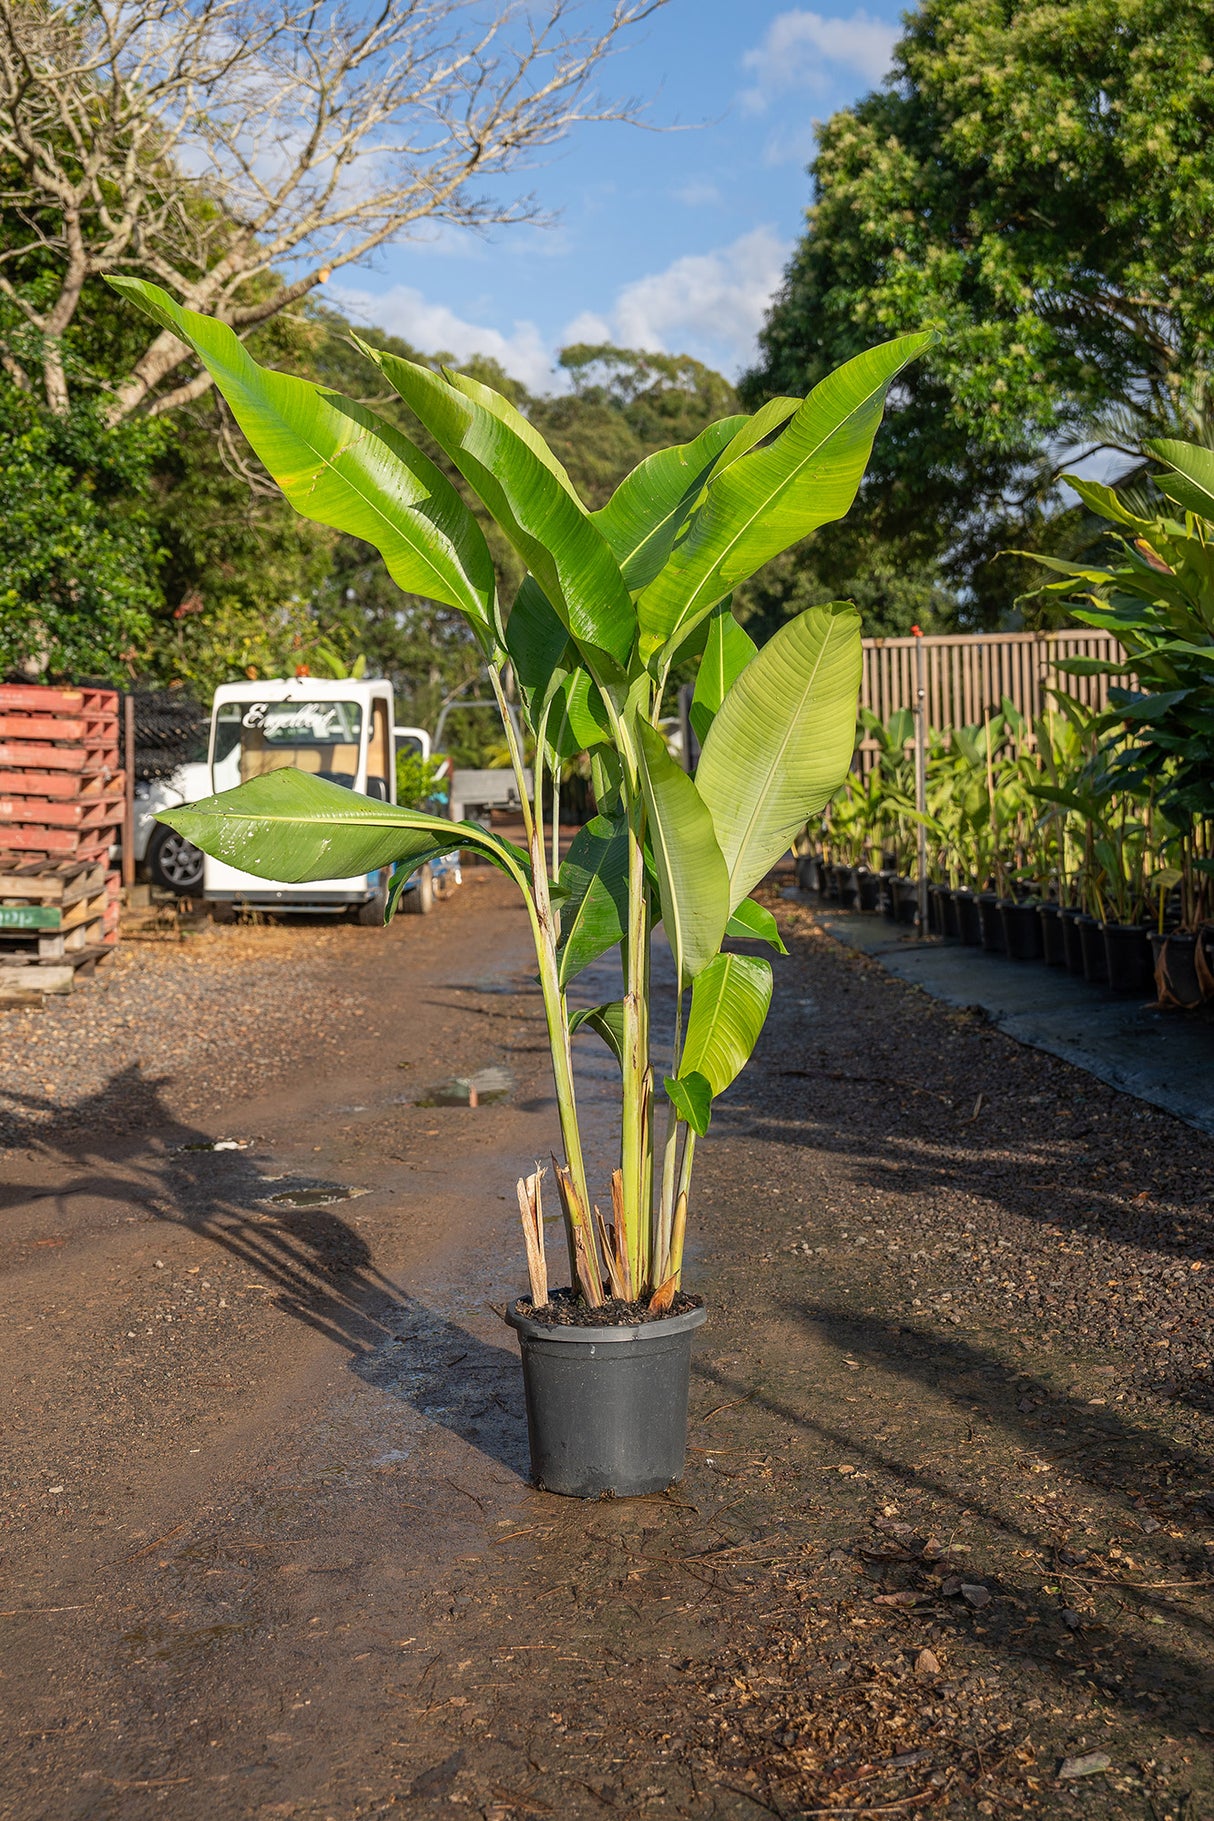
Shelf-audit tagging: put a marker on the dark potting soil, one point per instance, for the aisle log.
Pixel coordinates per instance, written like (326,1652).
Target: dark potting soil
(565,1310)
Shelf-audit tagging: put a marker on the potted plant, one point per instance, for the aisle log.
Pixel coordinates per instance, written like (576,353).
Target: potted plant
(611,600)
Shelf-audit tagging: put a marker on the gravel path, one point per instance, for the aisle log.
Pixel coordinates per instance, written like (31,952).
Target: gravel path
(945,1545)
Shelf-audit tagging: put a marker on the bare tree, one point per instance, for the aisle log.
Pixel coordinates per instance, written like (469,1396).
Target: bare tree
(240,151)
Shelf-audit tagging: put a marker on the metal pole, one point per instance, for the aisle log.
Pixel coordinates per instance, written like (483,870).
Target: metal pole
(128,802)
(921,774)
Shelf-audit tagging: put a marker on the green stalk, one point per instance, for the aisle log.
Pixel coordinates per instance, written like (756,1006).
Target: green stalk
(679,1231)
(556,1012)
(636,1049)
(662,1243)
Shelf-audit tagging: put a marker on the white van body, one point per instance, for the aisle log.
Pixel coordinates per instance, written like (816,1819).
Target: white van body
(339,729)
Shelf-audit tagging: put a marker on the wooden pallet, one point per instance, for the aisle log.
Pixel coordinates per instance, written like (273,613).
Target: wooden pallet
(56,914)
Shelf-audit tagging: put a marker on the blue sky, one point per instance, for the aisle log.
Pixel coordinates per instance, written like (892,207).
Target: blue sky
(666,240)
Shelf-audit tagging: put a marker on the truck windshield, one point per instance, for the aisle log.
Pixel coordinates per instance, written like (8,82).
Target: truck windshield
(257,736)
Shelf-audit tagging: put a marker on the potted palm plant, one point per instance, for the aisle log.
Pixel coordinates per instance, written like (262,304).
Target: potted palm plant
(612,599)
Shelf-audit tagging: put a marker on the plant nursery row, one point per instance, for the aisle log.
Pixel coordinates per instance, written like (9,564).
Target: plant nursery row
(1084,840)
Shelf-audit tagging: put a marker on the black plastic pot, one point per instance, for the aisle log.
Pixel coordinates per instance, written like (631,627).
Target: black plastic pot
(869,886)
(906,896)
(849,892)
(949,915)
(935,915)
(1091,943)
(1069,917)
(1021,930)
(607,1407)
(889,900)
(992,923)
(1053,943)
(807,872)
(1128,957)
(1176,978)
(831,876)
(969,919)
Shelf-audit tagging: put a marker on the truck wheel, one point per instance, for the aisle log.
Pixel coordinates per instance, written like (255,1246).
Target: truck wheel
(371,913)
(420,901)
(175,863)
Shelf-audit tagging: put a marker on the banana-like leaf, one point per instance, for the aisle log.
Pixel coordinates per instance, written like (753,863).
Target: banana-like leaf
(693,881)
(341,465)
(292,826)
(595,913)
(782,740)
(547,525)
(768,418)
(775,496)
(607,1021)
(752,922)
(727,652)
(729,1002)
(1191,484)
(692,1099)
(536,638)
(577,721)
(643,516)
(509,414)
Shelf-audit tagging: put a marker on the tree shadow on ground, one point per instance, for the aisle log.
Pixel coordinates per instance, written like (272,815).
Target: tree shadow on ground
(320,1267)
(1022,1621)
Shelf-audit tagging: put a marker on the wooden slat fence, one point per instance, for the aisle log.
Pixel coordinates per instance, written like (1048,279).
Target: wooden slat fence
(967,675)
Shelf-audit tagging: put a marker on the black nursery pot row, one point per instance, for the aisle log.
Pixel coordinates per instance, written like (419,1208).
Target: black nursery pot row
(1123,957)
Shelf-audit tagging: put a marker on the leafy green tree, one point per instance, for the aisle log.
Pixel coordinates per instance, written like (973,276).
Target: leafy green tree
(1036,181)
(80,555)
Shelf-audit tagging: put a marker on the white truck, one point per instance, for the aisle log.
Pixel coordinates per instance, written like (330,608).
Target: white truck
(342,730)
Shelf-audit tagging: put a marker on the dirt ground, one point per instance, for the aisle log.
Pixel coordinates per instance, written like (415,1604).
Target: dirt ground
(946,1541)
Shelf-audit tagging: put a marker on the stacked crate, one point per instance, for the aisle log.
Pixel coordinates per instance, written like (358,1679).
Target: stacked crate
(62,796)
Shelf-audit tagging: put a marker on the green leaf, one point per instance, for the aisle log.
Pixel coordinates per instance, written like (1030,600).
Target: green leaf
(547,525)
(293,826)
(578,721)
(1191,484)
(501,408)
(768,418)
(607,1021)
(595,914)
(729,1002)
(341,465)
(691,1096)
(693,882)
(536,638)
(752,922)
(782,740)
(775,496)
(727,652)
(643,516)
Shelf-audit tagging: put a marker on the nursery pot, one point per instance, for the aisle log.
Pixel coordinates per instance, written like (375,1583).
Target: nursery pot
(607,1407)
(831,875)
(889,900)
(1069,918)
(906,897)
(950,915)
(1021,930)
(935,909)
(969,920)
(992,923)
(848,890)
(807,873)
(1176,977)
(869,887)
(1128,957)
(1053,943)
(1091,943)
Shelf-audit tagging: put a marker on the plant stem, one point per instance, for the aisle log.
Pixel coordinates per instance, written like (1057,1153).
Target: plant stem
(679,1230)
(636,1050)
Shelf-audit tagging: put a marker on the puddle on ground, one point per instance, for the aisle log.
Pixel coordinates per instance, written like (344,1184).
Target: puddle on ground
(313,1198)
(218,1144)
(482,1089)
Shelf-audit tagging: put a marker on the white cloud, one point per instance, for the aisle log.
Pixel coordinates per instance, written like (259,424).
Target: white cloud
(707,304)
(806,50)
(435,328)
(697,194)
